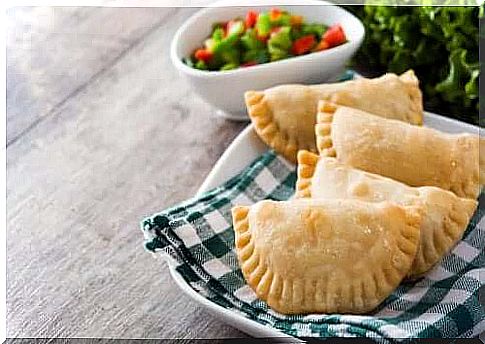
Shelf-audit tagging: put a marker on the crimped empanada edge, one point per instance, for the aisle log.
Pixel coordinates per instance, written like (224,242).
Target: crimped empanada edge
(407,243)
(387,277)
(246,253)
(323,128)
(454,225)
(258,276)
(289,296)
(307,162)
(415,115)
(268,130)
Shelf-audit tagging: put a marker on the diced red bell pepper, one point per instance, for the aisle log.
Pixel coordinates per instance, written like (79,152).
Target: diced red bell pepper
(225,27)
(303,45)
(203,55)
(249,64)
(275,30)
(321,46)
(251,18)
(334,36)
(274,14)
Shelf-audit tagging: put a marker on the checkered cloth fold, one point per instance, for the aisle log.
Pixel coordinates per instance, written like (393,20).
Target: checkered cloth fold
(198,237)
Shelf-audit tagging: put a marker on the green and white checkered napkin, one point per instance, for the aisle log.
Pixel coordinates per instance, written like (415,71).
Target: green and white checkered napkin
(197,234)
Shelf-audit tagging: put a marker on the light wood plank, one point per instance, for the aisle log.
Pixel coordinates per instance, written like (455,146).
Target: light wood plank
(52,52)
(132,142)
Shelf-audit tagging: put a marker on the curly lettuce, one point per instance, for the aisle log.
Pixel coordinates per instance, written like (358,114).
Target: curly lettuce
(439,43)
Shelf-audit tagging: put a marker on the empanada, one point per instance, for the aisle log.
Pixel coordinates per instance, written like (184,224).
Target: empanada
(325,256)
(284,116)
(417,156)
(445,216)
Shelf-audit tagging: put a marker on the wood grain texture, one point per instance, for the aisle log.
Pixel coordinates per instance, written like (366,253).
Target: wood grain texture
(131,141)
(53,52)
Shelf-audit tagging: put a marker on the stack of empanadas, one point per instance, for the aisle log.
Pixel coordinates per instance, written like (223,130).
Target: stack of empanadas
(284,116)
(384,200)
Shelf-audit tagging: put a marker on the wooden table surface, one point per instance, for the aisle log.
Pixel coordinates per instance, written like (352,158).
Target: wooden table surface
(101,132)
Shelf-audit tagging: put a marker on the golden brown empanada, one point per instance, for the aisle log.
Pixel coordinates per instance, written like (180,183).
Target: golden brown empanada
(445,216)
(325,256)
(284,116)
(417,156)
(482,160)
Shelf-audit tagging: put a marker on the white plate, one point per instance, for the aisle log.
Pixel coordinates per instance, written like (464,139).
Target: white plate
(243,150)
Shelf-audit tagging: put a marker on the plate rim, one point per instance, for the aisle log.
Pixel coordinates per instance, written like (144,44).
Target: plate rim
(232,318)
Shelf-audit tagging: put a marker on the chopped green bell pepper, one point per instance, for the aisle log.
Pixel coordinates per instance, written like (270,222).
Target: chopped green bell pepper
(279,44)
(259,38)
(263,24)
(250,41)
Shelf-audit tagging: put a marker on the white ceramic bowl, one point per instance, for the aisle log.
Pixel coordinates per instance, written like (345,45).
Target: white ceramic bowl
(225,90)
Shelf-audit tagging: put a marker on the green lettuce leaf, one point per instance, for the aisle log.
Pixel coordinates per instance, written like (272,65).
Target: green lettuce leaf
(439,43)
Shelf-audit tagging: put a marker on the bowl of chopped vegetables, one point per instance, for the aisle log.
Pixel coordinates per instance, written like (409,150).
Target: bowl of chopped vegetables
(226,50)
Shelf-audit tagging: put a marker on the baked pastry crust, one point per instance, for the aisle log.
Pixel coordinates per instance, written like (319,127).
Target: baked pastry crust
(417,156)
(482,161)
(325,256)
(284,116)
(445,215)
